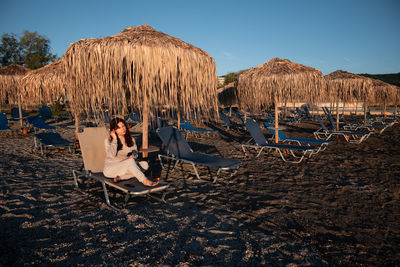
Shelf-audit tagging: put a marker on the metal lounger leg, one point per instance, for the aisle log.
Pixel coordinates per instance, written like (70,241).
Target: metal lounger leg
(41,149)
(75,179)
(162,199)
(259,153)
(105,193)
(195,170)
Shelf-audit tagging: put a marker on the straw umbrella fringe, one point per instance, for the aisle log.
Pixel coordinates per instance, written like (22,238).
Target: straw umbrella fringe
(140,68)
(10,77)
(346,86)
(137,65)
(9,80)
(43,85)
(383,93)
(278,80)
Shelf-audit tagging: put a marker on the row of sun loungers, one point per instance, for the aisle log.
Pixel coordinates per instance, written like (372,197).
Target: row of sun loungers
(292,149)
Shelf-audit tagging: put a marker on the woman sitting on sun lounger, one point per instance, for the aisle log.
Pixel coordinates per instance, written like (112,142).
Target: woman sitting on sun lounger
(121,151)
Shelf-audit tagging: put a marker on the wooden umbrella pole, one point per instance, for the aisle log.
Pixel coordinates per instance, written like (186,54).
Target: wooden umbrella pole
(20,110)
(337,114)
(145,133)
(343,108)
(365,109)
(384,108)
(179,119)
(276,119)
(356,108)
(76,123)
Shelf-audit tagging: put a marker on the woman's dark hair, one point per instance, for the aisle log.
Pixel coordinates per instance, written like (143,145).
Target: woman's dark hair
(128,138)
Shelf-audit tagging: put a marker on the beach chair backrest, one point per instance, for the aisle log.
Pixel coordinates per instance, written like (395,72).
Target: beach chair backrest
(3,121)
(225,119)
(325,110)
(15,113)
(321,123)
(331,120)
(135,116)
(307,111)
(299,112)
(91,142)
(174,141)
(105,117)
(45,112)
(255,132)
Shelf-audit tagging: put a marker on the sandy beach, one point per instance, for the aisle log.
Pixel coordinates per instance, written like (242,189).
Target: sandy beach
(339,208)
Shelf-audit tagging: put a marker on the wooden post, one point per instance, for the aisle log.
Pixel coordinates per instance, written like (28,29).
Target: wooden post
(355,111)
(276,120)
(337,114)
(343,108)
(365,109)
(145,132)
(179,119)
(76,123)
(384,108)
(20,110)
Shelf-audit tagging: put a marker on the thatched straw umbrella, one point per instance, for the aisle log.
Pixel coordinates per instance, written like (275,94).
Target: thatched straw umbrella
(397,99)
(140,68)
(44,85)
(383,93)
(278,80)
(346,86)
(10,77)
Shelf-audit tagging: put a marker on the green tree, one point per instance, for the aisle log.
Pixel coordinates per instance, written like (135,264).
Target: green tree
(36,50)
(232,76)
(10,50)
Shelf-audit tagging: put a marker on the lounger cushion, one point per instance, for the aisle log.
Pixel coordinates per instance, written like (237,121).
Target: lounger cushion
(52,139)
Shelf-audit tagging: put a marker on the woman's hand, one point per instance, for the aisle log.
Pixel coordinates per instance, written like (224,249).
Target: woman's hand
(113,135)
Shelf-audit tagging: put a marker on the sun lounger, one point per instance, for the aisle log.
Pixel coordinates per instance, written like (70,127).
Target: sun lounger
(91,142)
(297,152)
(190,129)
(272,119)
(3,122)
(306,108)
(300,113)
(354,126)
(15,114)
(45,112)
(180,151)
(39,124)
(228,122)
(50,139)
(349,135)
(322,144)
(134,117)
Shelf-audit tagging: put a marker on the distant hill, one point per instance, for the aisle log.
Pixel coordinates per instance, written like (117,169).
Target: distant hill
(393,78)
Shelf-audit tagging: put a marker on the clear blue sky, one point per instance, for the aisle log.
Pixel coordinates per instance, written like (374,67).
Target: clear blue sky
(359,36)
